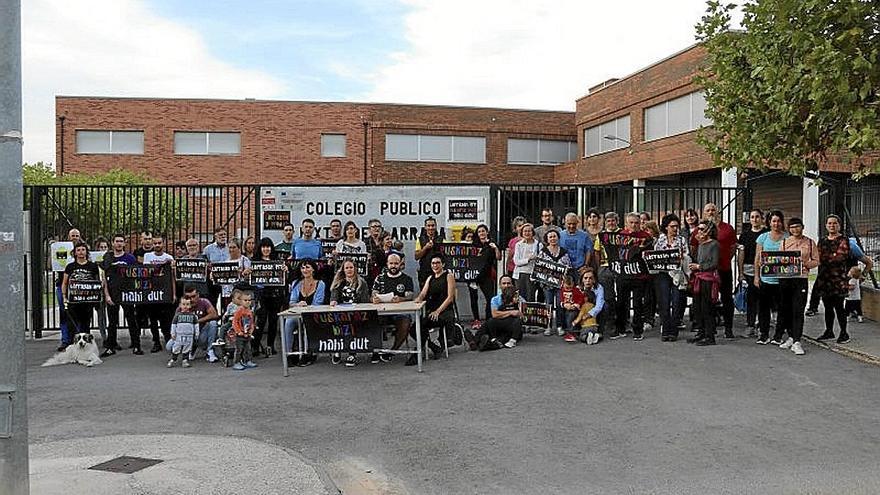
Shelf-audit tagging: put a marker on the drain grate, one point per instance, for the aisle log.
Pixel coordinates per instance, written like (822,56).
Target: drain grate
(126,464)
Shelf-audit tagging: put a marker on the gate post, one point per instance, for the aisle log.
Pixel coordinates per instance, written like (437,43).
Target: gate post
(258,206)
(37,259)
(145,209)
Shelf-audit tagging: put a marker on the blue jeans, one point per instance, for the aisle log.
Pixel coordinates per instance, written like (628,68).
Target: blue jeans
(66,338)
(551,297)
(668,301)
(207,335)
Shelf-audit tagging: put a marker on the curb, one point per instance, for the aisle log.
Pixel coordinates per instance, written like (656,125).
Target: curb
(846,351)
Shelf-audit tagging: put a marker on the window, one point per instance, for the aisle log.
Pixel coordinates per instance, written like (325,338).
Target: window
(333,145)
(110,142)
(609,136)
(672,117)
(540,151)
(207,143)
(429,148)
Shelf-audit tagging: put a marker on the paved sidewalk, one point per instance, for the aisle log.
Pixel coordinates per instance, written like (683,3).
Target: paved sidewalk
(194,464)
(864,342)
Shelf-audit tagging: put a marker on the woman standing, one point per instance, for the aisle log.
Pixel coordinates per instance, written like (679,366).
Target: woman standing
(348,288)
(516,227)
(832,282)
(746,252)
(667,285)
(795,288)
(81,269)
(250,248)
(769,286)
(706,281)
(244,269)
(594,222)
(306,291)
(351,242)
(486,279)
(271,300)
(524,254)
(691,220)
(438,292)
(554,252)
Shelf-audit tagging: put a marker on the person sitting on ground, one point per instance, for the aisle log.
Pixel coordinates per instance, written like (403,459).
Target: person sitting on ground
(394,286)
(505,328)
(348,288)
(593,310)
(206,319)
(438,292)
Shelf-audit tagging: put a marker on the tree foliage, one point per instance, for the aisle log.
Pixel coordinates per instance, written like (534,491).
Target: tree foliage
(797,86)
(103,204)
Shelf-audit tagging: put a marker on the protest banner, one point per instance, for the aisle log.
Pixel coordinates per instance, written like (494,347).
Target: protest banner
(141,284)
(84,291)
(327,248)
(624,252)
(534,314)
(548,273)
(268,273)
(192,270)
(343,331)
(780,264)
(60,254)
(463,259)
(361,261)
(662,260)
(275,219)
(225,272)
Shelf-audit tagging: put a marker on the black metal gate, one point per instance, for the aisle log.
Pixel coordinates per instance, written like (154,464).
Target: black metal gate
(178,212)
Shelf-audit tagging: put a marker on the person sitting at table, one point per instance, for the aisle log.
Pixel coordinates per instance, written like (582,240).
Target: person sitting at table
(348,288)
(393,286)
(306,291)
(438,292)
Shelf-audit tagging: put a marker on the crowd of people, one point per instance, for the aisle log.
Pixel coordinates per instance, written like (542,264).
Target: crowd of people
(593,303)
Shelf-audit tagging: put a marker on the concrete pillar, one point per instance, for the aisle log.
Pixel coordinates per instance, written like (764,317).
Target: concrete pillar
(810,213)
(638,202)
(728,198)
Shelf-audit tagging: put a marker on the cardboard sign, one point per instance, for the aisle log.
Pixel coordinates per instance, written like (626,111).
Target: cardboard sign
(463,210)
(361,261)
(327,247)
(141,284)
(624,253)
(548,273)
(534,314)
(628,269)
(662,260)
(84,291)
(275,220)
(97,256)
(268,273)
(343,331)
(225,272)
(781,264)
(463,259)
(60,254)
(192,270)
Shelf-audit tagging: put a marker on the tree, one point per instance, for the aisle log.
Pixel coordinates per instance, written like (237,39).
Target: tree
(799,85)
(117,201)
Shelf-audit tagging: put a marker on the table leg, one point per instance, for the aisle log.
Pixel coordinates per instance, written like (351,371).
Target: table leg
(419,339)
(281,321)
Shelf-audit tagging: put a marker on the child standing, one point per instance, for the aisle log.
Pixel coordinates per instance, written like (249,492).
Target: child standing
(243,331)
(853,303)
(184,327)
(571,299)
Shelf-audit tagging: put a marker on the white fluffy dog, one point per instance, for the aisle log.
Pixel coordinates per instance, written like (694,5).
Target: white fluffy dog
(82,351)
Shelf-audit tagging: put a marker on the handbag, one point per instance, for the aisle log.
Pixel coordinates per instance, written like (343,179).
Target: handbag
(739,297)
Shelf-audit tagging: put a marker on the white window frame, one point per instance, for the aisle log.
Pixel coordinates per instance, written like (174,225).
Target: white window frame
(419,149)
(571,153)
(208,151)
(110,134)
(344,145)
(623,145)
(691,127)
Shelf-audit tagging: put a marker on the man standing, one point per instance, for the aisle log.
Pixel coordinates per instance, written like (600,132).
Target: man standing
(217,252)
(118,257)
(726,251)
(576,242)
(631,288)
(428,245)
(160,314)
(307,246)
(285,247)
(397,286)
(606,277)
(145,247)
(207,320)
(547,225)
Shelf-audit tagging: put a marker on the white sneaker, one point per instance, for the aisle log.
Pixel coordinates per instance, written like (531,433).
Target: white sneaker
(548,332)
(797,349)
(595,337)
(510,344)
(787,344)
(212,358)
(186,363)
(170,363)
(560,331)
(590,337)
(861,320)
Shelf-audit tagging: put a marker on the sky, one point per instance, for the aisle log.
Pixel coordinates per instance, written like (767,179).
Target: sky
(532,54)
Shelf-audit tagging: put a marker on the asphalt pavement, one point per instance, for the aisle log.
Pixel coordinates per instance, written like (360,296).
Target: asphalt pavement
(549,417)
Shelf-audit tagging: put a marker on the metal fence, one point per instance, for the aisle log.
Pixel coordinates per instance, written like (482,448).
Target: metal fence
(858,203)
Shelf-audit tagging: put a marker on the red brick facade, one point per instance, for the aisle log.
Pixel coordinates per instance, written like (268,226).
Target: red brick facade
(281,141)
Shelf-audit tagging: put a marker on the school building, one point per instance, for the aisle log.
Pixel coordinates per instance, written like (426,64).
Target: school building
(638,129)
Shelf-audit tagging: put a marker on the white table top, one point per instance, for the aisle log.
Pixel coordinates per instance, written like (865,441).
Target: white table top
(401,307)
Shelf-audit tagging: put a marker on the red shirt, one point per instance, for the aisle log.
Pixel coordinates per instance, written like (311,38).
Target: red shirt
(572,295)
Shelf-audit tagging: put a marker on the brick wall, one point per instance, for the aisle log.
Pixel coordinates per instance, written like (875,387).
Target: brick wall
(281,141)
